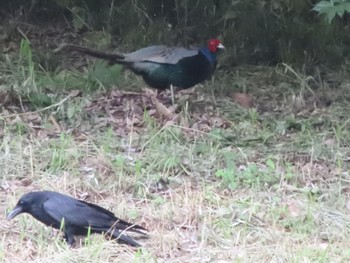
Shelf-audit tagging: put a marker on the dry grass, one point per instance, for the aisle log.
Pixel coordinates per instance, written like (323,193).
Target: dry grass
(191,223)
(196,217)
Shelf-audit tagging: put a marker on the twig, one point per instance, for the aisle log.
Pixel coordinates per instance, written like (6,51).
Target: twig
(37,111)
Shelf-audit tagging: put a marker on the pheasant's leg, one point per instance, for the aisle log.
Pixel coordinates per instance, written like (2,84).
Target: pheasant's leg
(172,94)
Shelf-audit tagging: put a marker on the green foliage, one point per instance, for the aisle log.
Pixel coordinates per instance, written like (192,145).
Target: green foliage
(332,8)
(27,65)
(236,175)
(39,99)
(87,240)
(104,74)
(62,155)
(79,17)
(254,31)
(26,53)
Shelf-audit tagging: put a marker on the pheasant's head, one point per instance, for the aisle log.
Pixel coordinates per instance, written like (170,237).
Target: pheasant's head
(214,45)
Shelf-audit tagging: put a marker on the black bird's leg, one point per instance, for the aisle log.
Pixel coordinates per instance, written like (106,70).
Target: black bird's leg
(69,237)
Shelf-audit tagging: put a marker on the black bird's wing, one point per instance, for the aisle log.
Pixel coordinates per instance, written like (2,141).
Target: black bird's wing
(118,223)
(73,212)
(81,214)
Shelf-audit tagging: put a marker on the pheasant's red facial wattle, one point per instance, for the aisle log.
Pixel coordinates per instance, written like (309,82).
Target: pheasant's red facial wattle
(214,45)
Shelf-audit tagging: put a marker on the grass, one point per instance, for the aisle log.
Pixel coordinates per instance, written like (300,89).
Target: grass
(272,186)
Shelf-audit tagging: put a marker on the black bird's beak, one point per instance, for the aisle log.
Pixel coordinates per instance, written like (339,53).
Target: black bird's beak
(16,211)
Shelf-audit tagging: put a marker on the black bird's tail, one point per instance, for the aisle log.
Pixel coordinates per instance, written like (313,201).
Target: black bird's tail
(126,226)
(124,239)
(117,231)
(134,228)
(112,57)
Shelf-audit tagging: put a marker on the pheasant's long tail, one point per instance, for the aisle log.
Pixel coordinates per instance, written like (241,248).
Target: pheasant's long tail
(112,57)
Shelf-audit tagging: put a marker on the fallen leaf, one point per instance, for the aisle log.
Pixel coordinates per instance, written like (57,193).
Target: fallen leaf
(54,122)
(75,93)
(348,206)
(293,209)
(163,110)
(243,100)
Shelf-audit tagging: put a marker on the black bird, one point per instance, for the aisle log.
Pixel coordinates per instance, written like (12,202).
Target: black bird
(74,217)
(163,67)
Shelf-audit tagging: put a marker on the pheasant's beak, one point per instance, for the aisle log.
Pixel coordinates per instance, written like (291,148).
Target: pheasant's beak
(220,46)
